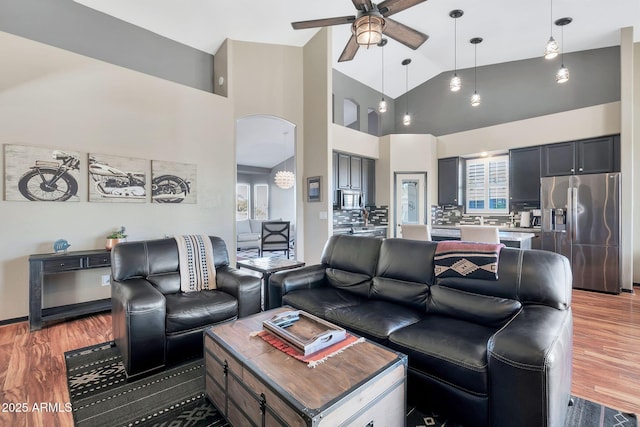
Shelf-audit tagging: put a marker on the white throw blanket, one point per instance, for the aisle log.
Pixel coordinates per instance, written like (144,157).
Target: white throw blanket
(197,267)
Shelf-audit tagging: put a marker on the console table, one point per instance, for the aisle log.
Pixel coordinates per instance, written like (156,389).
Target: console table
(41,265)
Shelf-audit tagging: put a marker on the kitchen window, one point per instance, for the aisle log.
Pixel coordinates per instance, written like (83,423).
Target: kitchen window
(487,187)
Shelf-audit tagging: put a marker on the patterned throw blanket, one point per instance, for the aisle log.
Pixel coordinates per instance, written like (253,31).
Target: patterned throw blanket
(463,259)
(197,267)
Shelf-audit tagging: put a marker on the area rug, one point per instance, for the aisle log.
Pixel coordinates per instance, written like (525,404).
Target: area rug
(100,396)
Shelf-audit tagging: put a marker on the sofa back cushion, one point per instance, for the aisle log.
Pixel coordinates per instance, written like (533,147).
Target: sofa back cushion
(405,272)
(243,227)
(528,276)
(157,261)
(484,310)
(351,262)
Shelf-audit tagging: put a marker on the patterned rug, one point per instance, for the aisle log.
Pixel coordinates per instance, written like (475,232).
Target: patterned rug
(100,396)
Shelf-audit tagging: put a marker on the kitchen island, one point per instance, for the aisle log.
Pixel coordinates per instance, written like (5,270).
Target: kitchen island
(512,239)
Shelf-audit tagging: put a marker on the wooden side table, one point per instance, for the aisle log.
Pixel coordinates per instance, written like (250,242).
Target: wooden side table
(267,266)
(42,265)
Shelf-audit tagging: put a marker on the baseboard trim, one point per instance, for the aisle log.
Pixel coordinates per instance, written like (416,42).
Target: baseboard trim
(12,321)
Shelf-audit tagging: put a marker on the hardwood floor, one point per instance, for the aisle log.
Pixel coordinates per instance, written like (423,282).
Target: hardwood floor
(606,365)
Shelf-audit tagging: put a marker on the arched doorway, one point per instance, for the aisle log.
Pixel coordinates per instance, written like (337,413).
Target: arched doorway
(265,146)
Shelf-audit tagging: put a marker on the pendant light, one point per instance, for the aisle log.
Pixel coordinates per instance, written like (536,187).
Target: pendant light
(284,178)
(455,84)
(562,76)
(551,50)
(382,106)
(475,98)
(406,120)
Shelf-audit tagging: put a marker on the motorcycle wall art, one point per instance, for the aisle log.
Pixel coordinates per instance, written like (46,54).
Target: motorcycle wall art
(57,179)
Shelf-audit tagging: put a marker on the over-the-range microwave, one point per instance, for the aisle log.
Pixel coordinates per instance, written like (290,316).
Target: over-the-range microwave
(350,199)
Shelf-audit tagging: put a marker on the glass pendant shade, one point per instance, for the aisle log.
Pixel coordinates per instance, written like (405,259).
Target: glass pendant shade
(552,49)
(285,179)
(475,99)
(455,84)
(562,76)
(406,120)
(368,30)
(382,106)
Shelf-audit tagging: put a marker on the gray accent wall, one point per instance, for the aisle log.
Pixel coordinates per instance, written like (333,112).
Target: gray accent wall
(511,91)
(344,87)
(77,28)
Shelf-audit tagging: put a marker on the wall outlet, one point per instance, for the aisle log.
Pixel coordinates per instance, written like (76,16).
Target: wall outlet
(105,280)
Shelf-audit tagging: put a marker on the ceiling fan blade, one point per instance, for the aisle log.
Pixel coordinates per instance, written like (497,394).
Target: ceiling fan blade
(405,35)
(362,4)
(389,7)
(350,50)
(314,23)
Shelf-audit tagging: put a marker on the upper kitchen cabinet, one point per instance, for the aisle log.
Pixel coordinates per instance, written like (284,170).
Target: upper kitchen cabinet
(594,155)
(449,181)
(369,181)
(524,174)
(349,172)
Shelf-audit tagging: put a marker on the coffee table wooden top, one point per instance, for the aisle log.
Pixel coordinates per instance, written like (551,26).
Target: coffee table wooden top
(312,387)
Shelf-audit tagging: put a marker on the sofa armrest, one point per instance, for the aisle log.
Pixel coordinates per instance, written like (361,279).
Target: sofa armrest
(283,282)
(138,316)
(244,286)
(530,366)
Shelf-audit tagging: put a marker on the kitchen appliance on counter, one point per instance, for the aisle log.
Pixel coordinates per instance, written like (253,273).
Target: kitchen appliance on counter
(536,218)
(581,220)
(350,199)
(525,219)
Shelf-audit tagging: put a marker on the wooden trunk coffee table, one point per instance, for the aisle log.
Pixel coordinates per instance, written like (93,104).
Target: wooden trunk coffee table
(253,383)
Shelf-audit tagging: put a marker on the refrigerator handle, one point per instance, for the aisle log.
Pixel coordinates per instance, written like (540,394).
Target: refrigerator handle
(574,213)
(569,213)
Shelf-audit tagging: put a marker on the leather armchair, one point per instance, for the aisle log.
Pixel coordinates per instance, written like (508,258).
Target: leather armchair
(154,323)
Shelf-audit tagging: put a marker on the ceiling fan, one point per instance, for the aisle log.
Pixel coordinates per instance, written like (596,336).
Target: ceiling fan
(368,26)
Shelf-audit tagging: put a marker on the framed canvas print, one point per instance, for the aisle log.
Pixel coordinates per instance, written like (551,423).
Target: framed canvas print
(40,174)
(173,182)
(314,187)
(116,179)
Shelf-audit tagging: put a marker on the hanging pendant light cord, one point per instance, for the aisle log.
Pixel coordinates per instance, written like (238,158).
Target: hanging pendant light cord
(382,91)
(551,20)
(475,67)
(562,45)
(407,88)
(455,45)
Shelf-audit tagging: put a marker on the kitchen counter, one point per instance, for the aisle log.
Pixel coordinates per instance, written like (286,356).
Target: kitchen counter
(371,230)
(514,239)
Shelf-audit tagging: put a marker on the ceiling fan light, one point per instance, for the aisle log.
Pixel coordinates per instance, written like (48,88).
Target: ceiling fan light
(284,179)
(475,99)
(406,120)
(368,29)
(455,84)
(382,106)
(552,49)
(562,76)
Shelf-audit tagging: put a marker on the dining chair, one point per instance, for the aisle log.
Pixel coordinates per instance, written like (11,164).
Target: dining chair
(479,233)
(415,231)
(275,237)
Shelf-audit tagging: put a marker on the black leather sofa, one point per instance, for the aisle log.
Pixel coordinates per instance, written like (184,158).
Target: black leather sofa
(482,352)
(154,323)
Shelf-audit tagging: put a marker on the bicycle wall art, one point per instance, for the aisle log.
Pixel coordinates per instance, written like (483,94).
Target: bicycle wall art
(41,174)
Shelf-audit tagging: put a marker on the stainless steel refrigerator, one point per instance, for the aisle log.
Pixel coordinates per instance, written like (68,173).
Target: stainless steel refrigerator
(581,220)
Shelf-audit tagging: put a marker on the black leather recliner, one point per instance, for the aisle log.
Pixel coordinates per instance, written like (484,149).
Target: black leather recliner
(154,323)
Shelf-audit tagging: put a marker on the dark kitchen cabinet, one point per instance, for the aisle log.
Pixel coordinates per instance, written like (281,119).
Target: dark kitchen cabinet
(349,172)
(594,155)
(355,173)
(369,181)
(524,174)
(334,167)
(449,181)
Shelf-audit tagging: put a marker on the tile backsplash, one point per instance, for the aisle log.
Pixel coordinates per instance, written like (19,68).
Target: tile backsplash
(378,215)
(454,215)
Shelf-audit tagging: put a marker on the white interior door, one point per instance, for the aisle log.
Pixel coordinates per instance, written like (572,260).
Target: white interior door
(410,199)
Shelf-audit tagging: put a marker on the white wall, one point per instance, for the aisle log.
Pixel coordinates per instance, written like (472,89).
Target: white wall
(56,99)
(575,124)
(355,142)
(406,153)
